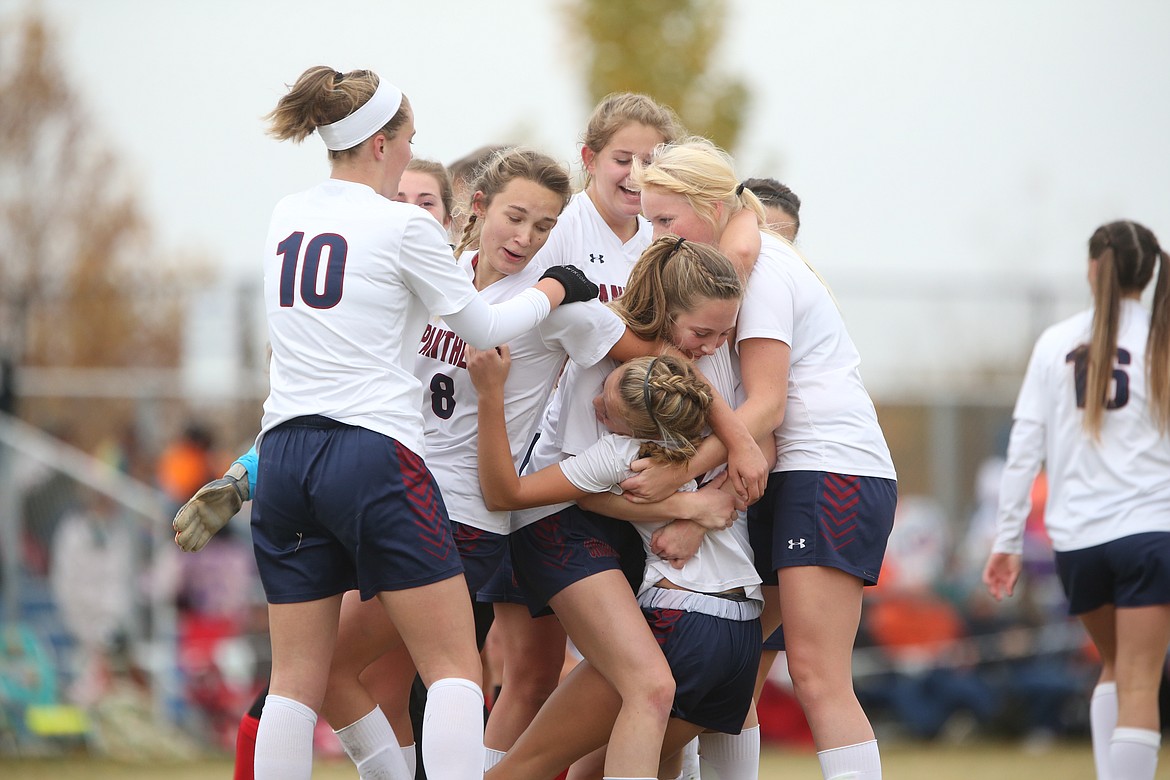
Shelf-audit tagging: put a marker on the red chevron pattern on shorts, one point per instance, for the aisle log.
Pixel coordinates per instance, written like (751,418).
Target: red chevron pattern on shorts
(468,537)
(662,623)
(599,549)
(840,496)
(550,536)
(433,533)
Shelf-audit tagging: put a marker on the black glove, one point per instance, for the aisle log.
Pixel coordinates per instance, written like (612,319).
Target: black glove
(573,279)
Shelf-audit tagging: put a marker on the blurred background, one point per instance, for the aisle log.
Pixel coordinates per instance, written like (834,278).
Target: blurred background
(952,159)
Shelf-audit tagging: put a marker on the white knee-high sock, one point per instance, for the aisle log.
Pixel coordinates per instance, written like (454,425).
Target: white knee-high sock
(690,761)
(1133,753)
(1102,721)
(852,762)
(492,757)
(410,757)
(284,740)
(371,745)
(732,756)
(453,730)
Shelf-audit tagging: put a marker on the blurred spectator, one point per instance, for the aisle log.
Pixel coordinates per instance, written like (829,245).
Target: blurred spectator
(221,610)
(92,568)
(46,496)
(1042,670)
(933,684)
(944,663)
(186,464)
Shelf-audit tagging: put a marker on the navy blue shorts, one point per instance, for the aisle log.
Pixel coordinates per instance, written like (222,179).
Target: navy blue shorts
(481,552)
(817,518)
(339,507)
(714,662)
(502,586)
(775,640)
(1133,571)
(568,546)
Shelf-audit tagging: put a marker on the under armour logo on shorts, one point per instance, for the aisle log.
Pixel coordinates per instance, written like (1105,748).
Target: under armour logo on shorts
(795,544)
(596,258)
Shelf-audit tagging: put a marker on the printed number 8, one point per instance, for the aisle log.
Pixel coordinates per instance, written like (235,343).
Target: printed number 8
(442,396)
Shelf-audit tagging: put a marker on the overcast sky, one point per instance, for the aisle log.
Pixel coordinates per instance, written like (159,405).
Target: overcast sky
(953,157)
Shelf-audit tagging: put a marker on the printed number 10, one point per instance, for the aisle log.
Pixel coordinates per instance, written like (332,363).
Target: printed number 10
(290,250)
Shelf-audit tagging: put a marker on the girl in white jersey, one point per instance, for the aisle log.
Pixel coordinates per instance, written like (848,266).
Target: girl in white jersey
(822,526)
(688,295)
(1094,410)
(343,499)
(427,184)
(601,232)
(704,614)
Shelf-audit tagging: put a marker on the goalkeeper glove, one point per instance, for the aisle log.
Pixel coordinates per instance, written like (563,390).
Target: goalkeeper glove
(210,509)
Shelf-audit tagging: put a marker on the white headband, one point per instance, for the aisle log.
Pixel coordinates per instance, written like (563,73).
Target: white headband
(370,117)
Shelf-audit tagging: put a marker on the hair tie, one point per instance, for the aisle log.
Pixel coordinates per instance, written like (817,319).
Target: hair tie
(337,77)
(646,389)
(739,190)
(674,249)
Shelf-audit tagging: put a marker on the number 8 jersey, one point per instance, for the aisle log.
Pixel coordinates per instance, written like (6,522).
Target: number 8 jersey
(584,332)
(1098,490)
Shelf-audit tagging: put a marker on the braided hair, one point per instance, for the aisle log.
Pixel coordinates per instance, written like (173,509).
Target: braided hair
(665,402)
(504,166)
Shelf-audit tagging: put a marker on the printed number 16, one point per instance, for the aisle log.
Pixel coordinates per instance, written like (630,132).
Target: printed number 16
(1079,359)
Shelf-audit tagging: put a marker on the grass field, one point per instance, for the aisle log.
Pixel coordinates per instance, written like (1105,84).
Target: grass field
(1072,761)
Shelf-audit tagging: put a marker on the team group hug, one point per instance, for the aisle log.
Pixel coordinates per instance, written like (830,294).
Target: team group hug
(629,419)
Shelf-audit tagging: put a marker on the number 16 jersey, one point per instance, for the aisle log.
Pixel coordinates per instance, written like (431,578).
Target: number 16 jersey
(1098,490)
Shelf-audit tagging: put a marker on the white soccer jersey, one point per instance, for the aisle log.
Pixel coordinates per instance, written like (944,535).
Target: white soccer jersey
(1098,491)
(584,332)
(572,426)
(350,278)
(582,238)
(829,421)
(723,560)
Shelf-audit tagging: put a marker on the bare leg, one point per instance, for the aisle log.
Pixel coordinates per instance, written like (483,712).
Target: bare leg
(822,610)
(438,627)
(388,680)
(1101,624)
(609,628)
(588,767)
(769,622)
(1138,646)
(577,719)
(303,636)
(365,634)
(532,652)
